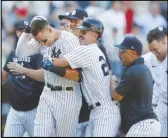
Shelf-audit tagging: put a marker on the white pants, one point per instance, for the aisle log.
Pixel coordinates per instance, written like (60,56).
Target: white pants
(146,128)
(161,112)
(104,121)
(57,112)
(19,122)
(82,128)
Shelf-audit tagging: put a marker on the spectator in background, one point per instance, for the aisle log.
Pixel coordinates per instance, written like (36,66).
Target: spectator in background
(93,10)
(129,15)
(83,4)
(137,31)
(163,5)
(114,27)
(151,19)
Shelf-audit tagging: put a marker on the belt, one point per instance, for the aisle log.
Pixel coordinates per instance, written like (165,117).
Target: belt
(90,107)
(59,88)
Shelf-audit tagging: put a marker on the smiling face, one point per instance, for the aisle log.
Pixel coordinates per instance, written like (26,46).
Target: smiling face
(159,48)
(45,37)
(87,37)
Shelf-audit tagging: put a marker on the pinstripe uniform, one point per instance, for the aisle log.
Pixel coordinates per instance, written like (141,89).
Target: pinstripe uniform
(161,109)
(152,63)
(145,128)
(58,110)
(105,116)
(158,70)
(18,122)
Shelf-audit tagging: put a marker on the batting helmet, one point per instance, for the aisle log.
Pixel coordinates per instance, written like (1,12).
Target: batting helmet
(93,25)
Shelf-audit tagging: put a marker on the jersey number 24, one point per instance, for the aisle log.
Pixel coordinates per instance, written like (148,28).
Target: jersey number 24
(103,66)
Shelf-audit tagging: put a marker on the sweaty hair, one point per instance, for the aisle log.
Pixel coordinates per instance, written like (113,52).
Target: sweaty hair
(156,34)
(37,26)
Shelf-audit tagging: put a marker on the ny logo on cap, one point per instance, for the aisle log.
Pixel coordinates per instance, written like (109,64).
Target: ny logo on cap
(74,12)
(26,23)
(160,28)
(132,47)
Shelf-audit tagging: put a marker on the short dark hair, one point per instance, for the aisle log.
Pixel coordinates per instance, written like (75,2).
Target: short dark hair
(157,34)
(37,26)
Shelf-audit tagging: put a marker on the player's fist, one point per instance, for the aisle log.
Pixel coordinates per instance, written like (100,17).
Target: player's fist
(47,64)
(28,28)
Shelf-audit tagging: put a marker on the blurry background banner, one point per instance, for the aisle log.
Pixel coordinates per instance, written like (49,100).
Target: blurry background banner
(120,18)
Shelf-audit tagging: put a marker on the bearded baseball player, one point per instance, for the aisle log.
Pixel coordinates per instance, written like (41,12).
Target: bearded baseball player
(105,115)
(59,104)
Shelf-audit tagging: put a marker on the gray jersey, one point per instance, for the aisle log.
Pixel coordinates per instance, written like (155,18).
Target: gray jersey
(96,84)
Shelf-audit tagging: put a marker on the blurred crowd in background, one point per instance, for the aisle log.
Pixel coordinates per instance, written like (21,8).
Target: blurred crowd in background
(120,18)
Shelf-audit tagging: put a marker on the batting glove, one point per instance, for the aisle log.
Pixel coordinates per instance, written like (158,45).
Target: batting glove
(47,64)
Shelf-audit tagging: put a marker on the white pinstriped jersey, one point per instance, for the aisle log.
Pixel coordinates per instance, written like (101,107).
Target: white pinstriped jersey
(163,87)
(67,42)
(157,68)
(96,78)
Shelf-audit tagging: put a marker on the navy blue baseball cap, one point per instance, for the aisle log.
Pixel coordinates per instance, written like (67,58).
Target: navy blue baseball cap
(78,14)
(21,24)
(64,16)
(131,42)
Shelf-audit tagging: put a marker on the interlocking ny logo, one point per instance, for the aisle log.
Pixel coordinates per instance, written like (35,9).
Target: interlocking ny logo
(55,54)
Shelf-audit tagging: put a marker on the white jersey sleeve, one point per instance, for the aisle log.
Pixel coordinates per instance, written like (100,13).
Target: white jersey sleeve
(71,43)
(26,47)
(80,57)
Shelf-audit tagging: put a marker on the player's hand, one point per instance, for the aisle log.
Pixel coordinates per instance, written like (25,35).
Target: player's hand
(15,67)
(28,28)
(113,81)
(47,64)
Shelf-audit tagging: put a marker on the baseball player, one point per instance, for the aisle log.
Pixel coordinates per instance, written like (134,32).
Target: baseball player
(59,103)
(65,24)
(134,91)
(76,17)
(156,60)
(105,116)
(26,91)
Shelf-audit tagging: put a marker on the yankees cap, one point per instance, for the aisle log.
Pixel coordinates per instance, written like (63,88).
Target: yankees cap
(78,14)
(131,42)
(21,24)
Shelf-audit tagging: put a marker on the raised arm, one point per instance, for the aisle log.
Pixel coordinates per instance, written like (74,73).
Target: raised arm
(26,46)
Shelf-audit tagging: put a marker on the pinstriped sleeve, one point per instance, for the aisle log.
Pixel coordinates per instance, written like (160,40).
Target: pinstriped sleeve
(25,47)
(80,58)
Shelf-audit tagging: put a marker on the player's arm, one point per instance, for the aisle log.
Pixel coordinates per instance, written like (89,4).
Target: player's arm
(26,46)
(113,85)
(60,62)
(71,74)
(37,75)
(4,76)
(120,90)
